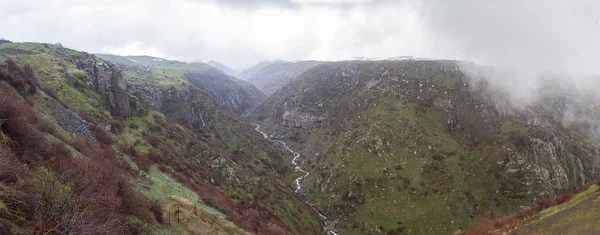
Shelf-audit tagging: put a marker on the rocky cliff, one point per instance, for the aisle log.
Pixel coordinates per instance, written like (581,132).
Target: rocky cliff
(146,71)
(108,81)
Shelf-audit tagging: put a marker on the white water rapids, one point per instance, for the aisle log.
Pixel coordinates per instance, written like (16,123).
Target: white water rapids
(326,227)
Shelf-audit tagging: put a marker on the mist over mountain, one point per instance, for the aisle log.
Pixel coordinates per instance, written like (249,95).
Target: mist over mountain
(270,76)
(222,67)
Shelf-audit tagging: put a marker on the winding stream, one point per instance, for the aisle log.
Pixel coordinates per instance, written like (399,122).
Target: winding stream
(326,227)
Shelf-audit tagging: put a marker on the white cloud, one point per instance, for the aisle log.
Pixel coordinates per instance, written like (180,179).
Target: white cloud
(240,33)
(134,48)
(332,1)
(200,30)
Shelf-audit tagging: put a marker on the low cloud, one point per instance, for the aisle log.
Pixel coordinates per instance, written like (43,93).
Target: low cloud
(530,35)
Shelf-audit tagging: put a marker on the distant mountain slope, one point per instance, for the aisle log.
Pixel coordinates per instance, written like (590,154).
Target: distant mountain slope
(222,67)
(82,151)
(425,147)
(268,77)
(239,95)
(250,72)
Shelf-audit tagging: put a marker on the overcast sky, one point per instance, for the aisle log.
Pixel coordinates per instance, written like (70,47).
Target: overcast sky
(540,34)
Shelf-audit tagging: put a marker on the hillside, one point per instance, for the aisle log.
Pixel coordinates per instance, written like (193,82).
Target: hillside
(86,150)
(575,212)
(145,71)
(578,215)
(428,147)
(220,66)
(268,77)
(250,72)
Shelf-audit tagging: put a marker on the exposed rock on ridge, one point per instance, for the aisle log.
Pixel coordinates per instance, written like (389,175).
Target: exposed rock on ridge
(106,79)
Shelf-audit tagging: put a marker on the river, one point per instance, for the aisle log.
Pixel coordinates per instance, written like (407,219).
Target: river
(298,181)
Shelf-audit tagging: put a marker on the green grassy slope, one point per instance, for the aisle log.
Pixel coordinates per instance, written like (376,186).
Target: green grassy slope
(416,147)
(574,212)
(223,165)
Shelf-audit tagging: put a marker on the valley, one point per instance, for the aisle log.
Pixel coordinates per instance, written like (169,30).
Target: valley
(397,146)
(299,117)
(423,147)
(298,181)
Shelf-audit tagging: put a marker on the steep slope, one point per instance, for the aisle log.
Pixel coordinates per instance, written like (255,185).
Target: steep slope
(146,71)
(63,118)
(268,77)
(220,66)
(425,147)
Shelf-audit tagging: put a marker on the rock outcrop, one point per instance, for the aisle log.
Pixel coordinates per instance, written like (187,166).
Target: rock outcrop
(146,71)
(106,79)
(241,96)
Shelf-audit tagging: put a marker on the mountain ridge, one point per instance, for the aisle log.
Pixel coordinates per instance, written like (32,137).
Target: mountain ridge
(270,76)
(426,136)
(237,94)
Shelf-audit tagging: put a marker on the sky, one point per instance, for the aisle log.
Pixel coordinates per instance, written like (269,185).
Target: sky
(549,34)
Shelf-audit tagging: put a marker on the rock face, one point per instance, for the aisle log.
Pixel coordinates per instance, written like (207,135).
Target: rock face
(147,71)
(268,77)
(232,92)
(425,134)
(108,81)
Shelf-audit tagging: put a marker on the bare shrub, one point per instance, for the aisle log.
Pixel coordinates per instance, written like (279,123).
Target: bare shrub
(102,135)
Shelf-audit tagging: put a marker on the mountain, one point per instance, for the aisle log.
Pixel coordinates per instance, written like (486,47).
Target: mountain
(270,76)
(89,148)
(144,71)
(428,147)
(250,72)
(222,67)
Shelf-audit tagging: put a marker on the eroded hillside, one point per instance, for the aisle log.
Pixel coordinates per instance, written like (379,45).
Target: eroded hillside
(422,147)
(86,151)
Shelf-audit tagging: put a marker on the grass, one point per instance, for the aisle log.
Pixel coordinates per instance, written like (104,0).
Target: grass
(539,217)
(81,102)
(27,46)
(578,198)
(584,220)
(163,78)
(38,48)
(158,185)
(192,221)
(53,72)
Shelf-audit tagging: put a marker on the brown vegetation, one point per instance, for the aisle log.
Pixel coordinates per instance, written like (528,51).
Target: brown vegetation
(102,135)
(80,196)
